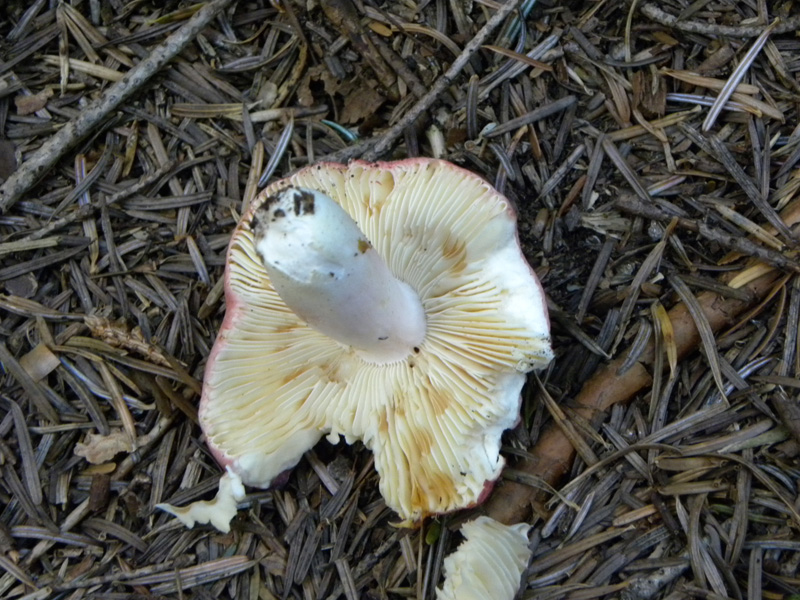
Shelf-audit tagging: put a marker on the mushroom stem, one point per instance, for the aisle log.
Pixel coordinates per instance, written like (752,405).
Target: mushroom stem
(327,272)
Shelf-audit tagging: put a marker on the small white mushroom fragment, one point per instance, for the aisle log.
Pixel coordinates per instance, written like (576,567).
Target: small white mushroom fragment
(489,564)
(385,302)
(219,512)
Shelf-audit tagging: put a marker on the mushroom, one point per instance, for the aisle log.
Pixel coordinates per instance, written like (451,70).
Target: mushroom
(489,564)
(385,302)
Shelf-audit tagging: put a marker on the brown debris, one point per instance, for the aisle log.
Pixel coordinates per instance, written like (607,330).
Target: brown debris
(99,449)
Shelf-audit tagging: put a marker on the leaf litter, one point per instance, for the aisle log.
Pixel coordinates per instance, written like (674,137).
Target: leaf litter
(665,237)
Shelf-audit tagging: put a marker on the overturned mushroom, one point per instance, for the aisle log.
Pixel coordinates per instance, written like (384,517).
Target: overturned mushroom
(388,303)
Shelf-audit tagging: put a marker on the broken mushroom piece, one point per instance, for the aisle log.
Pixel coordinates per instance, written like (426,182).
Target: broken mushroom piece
(219,511)
(388,303)
(489,564)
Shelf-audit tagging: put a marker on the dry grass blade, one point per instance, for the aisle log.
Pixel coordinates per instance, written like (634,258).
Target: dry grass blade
(537,64)
(633,180)
(208,111)
(74,379)
(277,154)
(32,390)
(562,171)
(561,420)
(118,402)
(578,547)
(20,269)
(737,76)
(661,318)
(535,115)
(213,570)
(117,531)
(30,470)
(711,83)
(346,577)
(752,228)
(737,103)
(30,308)
(11,568)
(703,328)
(27,245)
(649,265)
(87,68)
(575,331)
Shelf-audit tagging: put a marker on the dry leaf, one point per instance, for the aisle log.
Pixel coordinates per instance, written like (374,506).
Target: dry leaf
(661,318)
(330,83)
(361,102)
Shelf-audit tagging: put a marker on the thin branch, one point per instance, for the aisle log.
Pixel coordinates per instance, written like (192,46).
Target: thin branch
(375,147)
(59,143)
(651,11)
(630,204)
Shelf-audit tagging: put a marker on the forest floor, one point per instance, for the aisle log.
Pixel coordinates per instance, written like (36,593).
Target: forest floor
(653,153)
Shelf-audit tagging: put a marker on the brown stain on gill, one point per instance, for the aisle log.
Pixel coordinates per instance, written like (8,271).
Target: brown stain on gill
(424,442)
(430,488)
(383,423)
(455,251)
(289,377)
(287,328)
(333,373)
(440,401)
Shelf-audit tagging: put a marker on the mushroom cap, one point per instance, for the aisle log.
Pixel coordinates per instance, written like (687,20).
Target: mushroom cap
(274,386)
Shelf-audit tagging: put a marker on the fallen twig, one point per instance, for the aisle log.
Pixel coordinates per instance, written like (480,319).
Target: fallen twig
(741,244)
(651,11)
(375,147)
(553,453)
(74,131)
